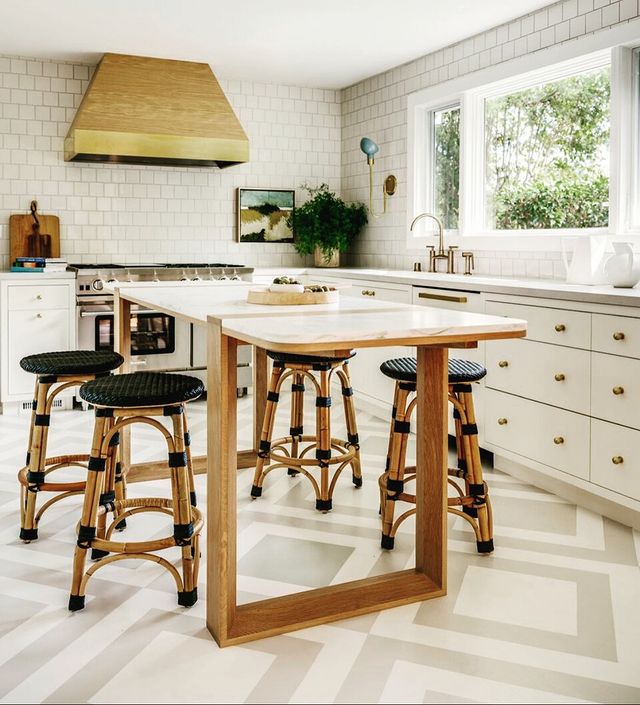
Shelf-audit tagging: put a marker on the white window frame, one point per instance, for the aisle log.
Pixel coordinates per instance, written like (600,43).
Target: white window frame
(614,46)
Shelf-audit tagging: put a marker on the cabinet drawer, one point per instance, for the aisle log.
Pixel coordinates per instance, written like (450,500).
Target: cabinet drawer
(619,335)
(551,436)
(40,297)
(615,389)
(373,291)
(548,325)
(448,298)
(30,333)
(615,458)
(548,373)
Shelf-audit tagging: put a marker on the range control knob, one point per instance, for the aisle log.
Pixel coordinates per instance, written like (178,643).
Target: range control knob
(97,284)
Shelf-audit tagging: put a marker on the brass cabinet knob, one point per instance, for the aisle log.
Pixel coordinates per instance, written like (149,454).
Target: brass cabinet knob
(503,363)
(617,460)
(618,390)
(559,377)
(558,440)
(502,422)
(39,297)
(38,315)
(618,336)
(560,328)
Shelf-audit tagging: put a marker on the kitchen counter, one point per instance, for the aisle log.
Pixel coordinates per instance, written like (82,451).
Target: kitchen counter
(542,288)
(36,276)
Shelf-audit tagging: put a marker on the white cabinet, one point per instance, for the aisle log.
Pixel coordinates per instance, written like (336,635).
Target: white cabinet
(548,373)
(615,389)
(551,436)
(34,317)
(615,458)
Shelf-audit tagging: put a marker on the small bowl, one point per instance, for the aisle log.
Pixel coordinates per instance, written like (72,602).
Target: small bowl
(287,288)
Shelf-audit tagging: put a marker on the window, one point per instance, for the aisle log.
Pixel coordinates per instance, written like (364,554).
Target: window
(547,155)
(445,138)
(520,154)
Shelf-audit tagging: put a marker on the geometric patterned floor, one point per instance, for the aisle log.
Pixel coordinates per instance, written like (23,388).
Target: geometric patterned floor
(551,616)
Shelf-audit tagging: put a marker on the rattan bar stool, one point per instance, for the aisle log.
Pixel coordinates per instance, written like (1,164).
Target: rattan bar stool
(329,453)
(122,400)
(55,372)
(471,498)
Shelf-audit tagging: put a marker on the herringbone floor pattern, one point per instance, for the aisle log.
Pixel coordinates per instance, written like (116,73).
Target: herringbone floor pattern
(551,616)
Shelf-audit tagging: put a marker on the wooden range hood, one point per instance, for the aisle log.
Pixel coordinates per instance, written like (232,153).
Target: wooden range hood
(141,110)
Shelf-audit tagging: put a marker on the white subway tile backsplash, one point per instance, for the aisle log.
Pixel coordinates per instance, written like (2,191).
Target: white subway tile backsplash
(140,213)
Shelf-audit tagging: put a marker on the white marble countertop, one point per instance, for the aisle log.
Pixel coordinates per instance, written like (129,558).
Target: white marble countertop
(352,322)
(543,288)
(36,276)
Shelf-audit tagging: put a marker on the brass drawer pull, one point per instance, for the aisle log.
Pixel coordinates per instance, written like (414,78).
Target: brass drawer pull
(39,297)
(443,297)
(38,315)
(558,440)
(618,336)
(368,292)
(561,328)
(618,390)
(502,422)
(503,363)
(559,377)
(617,460)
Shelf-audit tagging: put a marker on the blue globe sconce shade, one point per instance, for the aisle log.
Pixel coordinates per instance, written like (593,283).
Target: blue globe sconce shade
(369,147)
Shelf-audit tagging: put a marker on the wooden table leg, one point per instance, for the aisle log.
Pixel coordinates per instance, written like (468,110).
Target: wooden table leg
(122,345)
(260,387)
(221,481)
(431,464)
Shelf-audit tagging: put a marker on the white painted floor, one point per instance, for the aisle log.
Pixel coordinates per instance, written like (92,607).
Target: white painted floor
(551,616)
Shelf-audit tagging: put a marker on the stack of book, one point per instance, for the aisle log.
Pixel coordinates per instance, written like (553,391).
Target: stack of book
(39,264)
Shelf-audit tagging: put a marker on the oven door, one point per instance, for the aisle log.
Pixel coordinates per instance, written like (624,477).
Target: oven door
(158,341)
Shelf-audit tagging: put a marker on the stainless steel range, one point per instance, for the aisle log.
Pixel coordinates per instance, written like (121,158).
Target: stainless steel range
(158,341)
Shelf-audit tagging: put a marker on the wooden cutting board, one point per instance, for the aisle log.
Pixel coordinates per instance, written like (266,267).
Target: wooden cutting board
(270,298)
(21,227)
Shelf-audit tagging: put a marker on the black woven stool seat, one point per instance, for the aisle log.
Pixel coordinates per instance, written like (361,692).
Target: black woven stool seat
(404,369)
(141,389)
(72,362)
(307,359)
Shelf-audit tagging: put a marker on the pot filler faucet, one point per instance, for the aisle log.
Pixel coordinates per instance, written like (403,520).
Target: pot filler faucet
(440,254)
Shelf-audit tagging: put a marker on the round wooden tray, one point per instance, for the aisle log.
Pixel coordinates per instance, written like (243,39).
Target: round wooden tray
(287,298)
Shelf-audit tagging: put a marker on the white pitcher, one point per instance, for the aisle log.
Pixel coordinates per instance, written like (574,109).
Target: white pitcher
(623,268)
(587,262)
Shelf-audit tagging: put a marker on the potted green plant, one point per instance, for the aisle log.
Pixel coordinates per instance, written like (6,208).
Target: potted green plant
(325,225)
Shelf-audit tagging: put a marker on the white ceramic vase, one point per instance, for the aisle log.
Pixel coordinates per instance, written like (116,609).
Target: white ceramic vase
(623,269)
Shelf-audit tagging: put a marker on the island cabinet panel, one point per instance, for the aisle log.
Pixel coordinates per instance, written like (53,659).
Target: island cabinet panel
(615,389)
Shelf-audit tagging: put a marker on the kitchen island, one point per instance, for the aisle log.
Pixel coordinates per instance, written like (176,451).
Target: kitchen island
(326,329)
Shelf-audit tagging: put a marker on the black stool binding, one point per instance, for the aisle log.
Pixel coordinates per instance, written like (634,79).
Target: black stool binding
(329,452)
(120,401)
(55,372)
(471,500)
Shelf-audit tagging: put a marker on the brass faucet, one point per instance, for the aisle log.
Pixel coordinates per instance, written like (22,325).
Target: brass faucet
(440,254)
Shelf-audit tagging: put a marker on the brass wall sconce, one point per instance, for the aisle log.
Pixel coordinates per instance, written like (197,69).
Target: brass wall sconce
(370,148)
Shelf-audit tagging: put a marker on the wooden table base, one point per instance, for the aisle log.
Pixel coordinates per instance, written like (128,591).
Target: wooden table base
(231,623)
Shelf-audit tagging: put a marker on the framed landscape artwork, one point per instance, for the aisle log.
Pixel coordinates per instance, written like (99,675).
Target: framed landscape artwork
(262,214)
